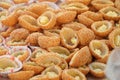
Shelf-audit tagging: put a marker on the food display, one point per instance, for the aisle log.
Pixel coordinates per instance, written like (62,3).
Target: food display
(57,39)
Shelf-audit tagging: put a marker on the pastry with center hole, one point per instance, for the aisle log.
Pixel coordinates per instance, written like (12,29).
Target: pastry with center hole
(85,35)
(69,41)
(114,38)
(28,22)
(32,66)
(21,75)
(102,28)
(66,16)
(49,59)
(111,13)
(53,72)
(74,6)
(99,4)
(37,52)
(47,20)
(80,58)
(98,49)
(73,74)
(97,69)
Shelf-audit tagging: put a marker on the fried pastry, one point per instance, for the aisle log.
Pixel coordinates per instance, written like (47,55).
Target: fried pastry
(49,59)
(92,15)
(86,2)
(32,39)
(49,0)
(32,66)
(74,25)
(28,22)
(3,15)
(53,72)
(114,38)
(21,75)
(5,4)
(63,52)
(99,4)
(1,40)
(102,28)
(22,53)
(85,35)
(98,49)
(74,6)
(3,50)
(37,8)
(9,64)
(39,77)
(73,74)
(46,41)
(47,20)
(7,32)
(80,58)
(117,3)
(84,69)
(11,19)
(97,69)
(20,1)
(66,16)
(19,34)
(85,20)
(111,13)
(69,41)
(37,52)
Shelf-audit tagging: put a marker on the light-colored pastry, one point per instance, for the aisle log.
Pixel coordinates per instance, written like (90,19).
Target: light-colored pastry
(114,38)
(97,69)
(48,40)
(61,51)
(80,58)
(28,22)
(37,8)
(39,77)
(32,66)
(49,59)
(5,4)
(9,64)
(111,13)
(3,50)
(32,39)
(7,32)
(74,25)
(74,6)
(21,75)
(117,3)
(69,41)
(85,20)
(98,49)
(93,15)
(19,34)
(85,35)
(84,69)
(73,74)
(37,52)
(11,19)
(66,16)
(3,14)
(47,20)
(99,4)
(86,2)
(53,72)
(20,1)
(102,28)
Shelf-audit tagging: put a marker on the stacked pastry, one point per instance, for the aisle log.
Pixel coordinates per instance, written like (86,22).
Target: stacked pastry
(44,41)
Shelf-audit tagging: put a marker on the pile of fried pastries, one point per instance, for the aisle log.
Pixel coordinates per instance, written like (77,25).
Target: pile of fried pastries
(66,41)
